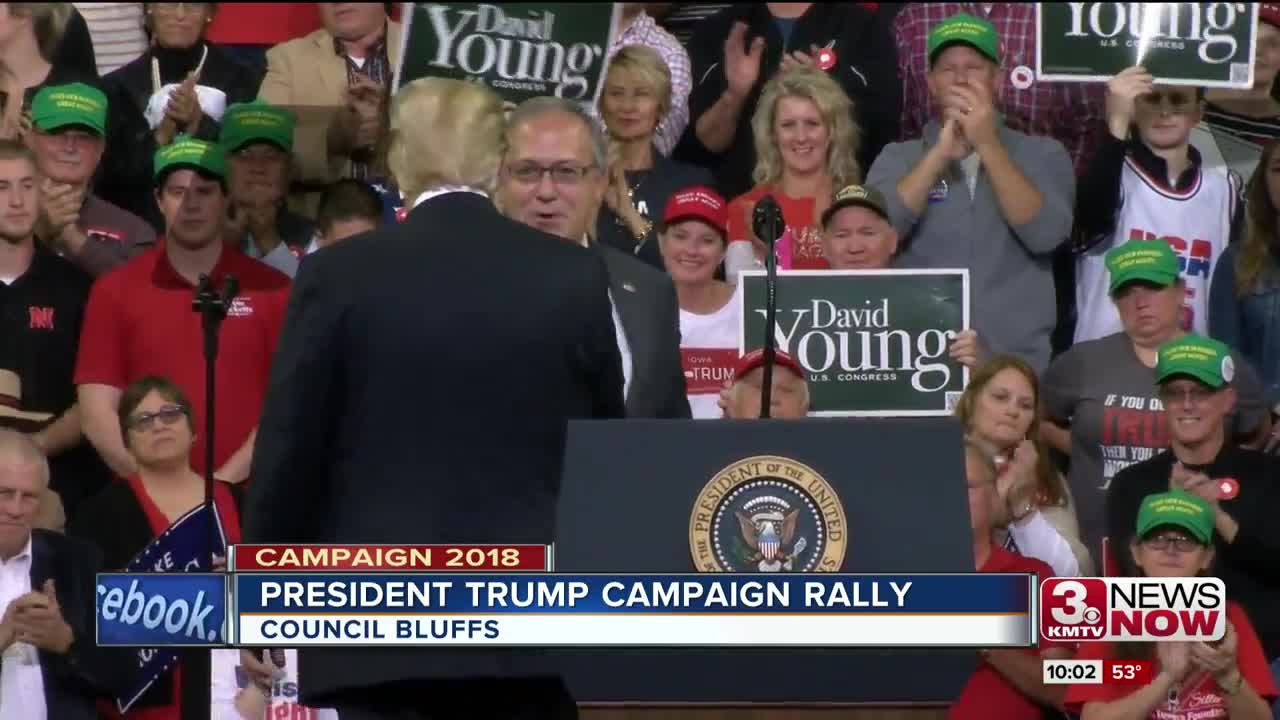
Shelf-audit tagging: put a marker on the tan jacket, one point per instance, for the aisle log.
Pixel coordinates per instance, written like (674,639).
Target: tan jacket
(308,77)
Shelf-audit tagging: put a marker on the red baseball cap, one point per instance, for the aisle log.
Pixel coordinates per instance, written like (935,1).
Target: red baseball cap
(700,203)
(1269,13)
(755,359)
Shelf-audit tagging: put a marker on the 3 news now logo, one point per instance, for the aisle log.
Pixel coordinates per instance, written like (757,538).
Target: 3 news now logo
(1133,609)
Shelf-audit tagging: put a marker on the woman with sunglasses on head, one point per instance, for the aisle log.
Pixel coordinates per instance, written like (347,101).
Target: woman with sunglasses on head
(1227,679)
(155,418)
(1147,182)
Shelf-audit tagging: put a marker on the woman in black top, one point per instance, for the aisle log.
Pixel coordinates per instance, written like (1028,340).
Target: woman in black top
(181,78)
(155,419)
(636,95)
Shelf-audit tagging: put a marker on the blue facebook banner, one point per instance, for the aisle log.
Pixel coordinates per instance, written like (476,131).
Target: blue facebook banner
(183,548)
(694,593)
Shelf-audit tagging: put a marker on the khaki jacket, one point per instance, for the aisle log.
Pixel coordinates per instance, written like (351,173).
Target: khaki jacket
(308,77)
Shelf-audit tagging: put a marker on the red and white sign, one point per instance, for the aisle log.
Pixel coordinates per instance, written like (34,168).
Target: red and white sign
(1133,609)
(707,369)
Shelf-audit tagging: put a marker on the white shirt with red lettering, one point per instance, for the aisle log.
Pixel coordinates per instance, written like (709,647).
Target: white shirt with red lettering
(708,352)
(229,680)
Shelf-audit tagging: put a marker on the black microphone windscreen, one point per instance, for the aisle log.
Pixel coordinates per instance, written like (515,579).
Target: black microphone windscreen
(766,219)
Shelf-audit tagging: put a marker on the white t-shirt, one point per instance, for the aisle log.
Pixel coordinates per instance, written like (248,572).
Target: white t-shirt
(116,31)
(1197,223)
(708,352)
(229,680)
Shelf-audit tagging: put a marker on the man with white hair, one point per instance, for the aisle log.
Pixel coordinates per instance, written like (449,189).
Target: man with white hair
(50,666)
(367,435)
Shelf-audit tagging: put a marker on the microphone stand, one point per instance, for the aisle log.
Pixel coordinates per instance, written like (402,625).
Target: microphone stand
(768,225)
(213,307)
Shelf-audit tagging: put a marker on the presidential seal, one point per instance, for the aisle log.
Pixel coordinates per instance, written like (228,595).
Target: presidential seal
(767,514)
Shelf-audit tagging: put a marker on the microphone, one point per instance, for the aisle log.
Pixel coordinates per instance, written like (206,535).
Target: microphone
(767,222)
(768,225)
(230,288)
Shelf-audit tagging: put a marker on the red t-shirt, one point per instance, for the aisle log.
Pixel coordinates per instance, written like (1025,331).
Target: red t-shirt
(139,322)
(987,694)
(803,224)
(1199,697)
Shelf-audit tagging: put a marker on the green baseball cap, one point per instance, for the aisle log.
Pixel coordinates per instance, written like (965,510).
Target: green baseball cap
(191,153)
(964,28)
(58,106)
(1149,260)
(1180,509)
(867,197)
(1202,358)
(257,121)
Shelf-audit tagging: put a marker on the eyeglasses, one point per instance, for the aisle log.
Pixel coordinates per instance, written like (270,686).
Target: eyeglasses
(1180,543)
(258,154)
(1177,101)
(178,8)
(562,174)
(1196,394)
(167,415)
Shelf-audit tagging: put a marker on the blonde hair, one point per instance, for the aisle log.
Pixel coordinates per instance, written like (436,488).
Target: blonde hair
(836,109)
(48,22)
(647,66)
(445,132)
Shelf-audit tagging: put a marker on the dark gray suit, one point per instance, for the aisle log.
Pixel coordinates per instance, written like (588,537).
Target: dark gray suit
(646,302)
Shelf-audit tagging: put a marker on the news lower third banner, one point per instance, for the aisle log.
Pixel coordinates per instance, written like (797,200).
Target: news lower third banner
(549,610)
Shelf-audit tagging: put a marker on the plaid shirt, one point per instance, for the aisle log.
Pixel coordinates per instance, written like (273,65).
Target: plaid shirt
(1071,113)
(644,31)
(376,68)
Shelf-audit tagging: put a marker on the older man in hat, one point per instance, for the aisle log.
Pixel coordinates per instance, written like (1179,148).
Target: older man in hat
(68,129)
(258,138)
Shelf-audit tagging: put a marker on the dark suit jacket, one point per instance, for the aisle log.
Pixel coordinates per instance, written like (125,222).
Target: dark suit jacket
(72,682)
(646,301)
(420,393)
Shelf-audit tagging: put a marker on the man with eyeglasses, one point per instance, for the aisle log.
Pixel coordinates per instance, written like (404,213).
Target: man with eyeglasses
(68,127)
(1196,378)
(1147,182)
(553,178)
(258,138)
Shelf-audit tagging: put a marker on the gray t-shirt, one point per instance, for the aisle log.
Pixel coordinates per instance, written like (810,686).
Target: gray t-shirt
(1109,399)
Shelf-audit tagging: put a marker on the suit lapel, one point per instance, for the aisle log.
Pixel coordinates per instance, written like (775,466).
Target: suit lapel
(630,302)
(331,66)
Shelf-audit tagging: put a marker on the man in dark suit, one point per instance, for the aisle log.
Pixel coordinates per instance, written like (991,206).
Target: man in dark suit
(420,394)
(553,178)
(47,590)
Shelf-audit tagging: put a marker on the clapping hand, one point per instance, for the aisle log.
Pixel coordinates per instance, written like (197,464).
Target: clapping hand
(742,67)
(363,101)
(38,620)
(1175,658)
(1196,483)
(974,113)
(1019,477)
(1219,659)
(184,105)
(60,207)
(796,58)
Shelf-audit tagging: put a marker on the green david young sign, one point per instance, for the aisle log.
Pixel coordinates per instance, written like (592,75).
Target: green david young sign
(873,342)
(1202,44)
(520,50)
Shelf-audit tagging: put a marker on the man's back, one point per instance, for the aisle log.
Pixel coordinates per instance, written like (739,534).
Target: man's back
(439,361)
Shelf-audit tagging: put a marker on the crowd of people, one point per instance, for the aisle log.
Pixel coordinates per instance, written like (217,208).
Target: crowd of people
(1124,349)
